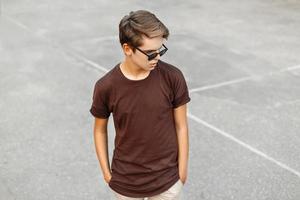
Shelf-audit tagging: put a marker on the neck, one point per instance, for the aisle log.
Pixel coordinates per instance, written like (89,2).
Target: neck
(132,69)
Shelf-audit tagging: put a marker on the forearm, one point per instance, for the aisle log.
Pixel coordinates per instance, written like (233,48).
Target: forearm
(183,153)
(101,144)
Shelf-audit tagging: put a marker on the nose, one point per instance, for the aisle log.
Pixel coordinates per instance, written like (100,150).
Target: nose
(158,56)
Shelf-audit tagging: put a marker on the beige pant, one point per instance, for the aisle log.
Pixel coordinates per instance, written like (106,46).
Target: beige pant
(173,193)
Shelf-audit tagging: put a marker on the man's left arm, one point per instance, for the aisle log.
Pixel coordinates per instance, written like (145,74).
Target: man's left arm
(180,117)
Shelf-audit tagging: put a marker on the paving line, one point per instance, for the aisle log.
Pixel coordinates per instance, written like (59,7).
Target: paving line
(221,84)
(290,68)
(243,79)
(87,61)
(105,70)
(247,146)
(57,45)
(97,66)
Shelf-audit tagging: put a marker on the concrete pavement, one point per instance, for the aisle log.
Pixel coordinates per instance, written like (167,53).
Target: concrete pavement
(242,66)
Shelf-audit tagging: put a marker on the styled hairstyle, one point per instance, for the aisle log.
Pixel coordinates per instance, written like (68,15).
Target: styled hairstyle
(140,23)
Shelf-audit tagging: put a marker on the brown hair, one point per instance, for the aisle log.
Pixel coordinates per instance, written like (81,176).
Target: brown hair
(138,23)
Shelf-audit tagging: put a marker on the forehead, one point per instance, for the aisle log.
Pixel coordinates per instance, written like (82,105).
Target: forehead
(152,43)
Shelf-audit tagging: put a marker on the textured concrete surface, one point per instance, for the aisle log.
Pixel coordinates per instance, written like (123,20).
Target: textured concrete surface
(242,65)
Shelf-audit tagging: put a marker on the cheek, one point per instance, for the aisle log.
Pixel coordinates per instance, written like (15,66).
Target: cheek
(141,60)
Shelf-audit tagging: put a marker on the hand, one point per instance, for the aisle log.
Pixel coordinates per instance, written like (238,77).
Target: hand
(107,178)
(182,177)
(183,180)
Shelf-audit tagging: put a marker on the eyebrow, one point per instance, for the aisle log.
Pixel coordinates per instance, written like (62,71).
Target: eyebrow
(153,50)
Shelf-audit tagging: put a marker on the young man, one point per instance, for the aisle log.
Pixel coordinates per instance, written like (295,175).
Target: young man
(148,100)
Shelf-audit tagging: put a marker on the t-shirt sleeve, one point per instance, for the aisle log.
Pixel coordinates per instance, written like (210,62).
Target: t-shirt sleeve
(100,108)
(180,90)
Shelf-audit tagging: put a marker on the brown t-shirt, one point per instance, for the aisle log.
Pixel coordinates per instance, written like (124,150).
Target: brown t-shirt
(145,157)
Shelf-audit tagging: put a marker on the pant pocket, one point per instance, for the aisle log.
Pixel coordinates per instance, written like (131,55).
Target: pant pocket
(176,188)
(181,182)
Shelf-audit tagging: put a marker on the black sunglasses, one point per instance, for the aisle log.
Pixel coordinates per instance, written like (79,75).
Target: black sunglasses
(153,55)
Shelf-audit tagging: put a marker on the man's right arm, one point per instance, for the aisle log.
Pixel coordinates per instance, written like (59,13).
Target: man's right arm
(101,145)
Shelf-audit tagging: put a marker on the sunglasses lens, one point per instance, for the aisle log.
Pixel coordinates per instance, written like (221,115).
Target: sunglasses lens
(162,52)
(152,56)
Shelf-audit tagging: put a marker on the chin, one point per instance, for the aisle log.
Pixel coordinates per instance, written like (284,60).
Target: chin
(152,66)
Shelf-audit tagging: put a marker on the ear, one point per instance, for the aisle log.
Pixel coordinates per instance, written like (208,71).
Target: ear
(127,49)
